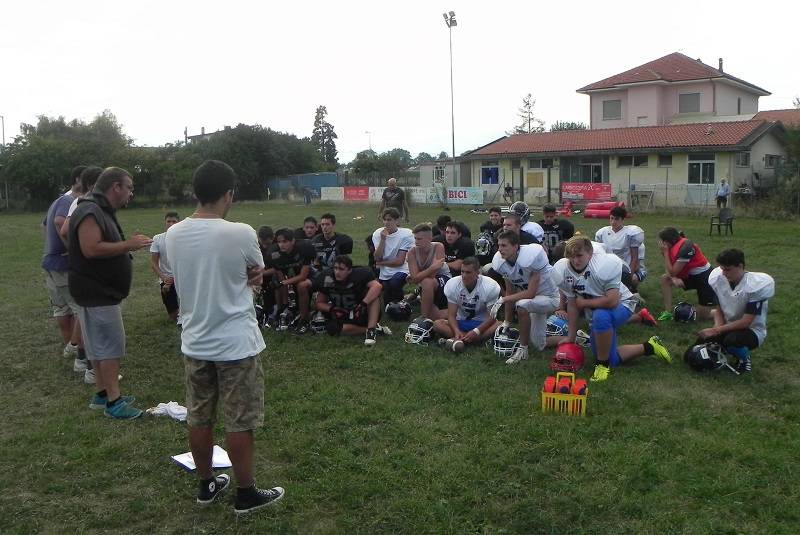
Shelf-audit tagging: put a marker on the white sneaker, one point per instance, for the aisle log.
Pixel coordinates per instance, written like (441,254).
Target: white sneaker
(582,339)
(80,365)
(70,351)
(520,354)
(383,329)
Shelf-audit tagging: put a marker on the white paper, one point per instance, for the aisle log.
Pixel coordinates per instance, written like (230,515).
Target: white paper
(219,459)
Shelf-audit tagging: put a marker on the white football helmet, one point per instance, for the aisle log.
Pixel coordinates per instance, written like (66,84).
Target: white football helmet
(419,331)
(506,340)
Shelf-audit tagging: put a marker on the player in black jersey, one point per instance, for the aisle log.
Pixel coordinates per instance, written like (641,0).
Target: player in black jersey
(266,239)
(456,247)
(289,265)
(555,230)
(309,229)
(330,244)
(495,222)
(350,299)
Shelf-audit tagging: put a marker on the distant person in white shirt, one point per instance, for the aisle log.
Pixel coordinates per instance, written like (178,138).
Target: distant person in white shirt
(392,244)
(214,263)
(159,263)
(723,191)
(627,242)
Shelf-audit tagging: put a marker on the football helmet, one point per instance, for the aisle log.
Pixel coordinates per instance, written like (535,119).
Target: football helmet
(506,340)
(285,320)
(419,331)
(522,210)
(707,357)
(684,312)
(556,326)
(399,311)
(568,358)
(484,245)
(319,323)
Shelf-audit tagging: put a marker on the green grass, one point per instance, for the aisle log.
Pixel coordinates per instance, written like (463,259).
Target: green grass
(407,439)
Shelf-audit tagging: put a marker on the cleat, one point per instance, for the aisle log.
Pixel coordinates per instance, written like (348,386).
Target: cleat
(744,366)
(647,318)
(369,339)
(383,330)
(582,339)
(660,350)
(666,316)
(520,354)
(601,373)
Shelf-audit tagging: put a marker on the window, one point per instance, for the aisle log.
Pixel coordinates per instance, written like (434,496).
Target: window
(642,120)
(438,173)
(689,103)
(665,160)
(701,168)
(638,160)
(490,175)
(742,159)
(540,163)
(739,106)
(771,161)
(612,109)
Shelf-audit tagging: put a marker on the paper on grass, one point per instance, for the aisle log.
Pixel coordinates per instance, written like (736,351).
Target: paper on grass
(219,459)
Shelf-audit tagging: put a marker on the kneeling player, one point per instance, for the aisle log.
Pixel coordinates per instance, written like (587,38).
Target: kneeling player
(740,320)
(591,283)
(469,297)
(350,299)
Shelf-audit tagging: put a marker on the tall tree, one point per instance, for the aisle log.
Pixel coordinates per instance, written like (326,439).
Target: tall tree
(796,102)
(567,125)
(323,137)
(442,156)
(423,157)
(529,122)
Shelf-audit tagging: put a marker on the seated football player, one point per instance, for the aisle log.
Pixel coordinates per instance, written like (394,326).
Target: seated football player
(495,222)
(309,229)
(592,285)
(429,271)
(330,244)
(513,223)
(350,299)
(289,266)
(555,230)
(522,210)
(627,242)
(740,318)
(391,247)
(529,289)
(687,268)
(469,297)
(456,247)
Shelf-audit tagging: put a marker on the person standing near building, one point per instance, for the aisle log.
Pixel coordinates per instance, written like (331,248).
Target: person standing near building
(723,191)
(214,263)
(100,275)
(394,197)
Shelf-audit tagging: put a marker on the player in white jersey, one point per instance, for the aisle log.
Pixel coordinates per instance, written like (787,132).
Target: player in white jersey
(627,242)
(591,283)
(740,318)
(469,297)
(529,289)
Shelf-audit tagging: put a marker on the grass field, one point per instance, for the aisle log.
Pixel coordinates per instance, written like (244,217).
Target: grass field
(407,439)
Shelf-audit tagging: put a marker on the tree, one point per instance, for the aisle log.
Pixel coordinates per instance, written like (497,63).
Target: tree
(559,126)
(530,123)
(796,102)
(403,156)
(323,137)
(442,156)
(423,157)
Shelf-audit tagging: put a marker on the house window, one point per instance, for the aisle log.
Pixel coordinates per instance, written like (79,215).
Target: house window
(739,106)
(612,109)
(438,174)
(742,159)
(701,168)
(771,161)
(637,160)
(490,175)
(540,163)
(665,160)
(689,103)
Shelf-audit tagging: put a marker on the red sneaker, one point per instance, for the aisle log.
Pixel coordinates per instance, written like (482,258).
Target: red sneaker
(647,318)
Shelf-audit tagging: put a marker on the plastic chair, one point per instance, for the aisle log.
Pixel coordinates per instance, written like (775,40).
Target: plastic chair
(724,219)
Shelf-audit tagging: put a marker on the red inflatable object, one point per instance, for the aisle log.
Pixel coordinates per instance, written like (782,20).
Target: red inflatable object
(601,210)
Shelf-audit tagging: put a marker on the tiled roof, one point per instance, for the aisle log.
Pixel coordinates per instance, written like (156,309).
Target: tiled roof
(790,118)
(674,67)
(633,138)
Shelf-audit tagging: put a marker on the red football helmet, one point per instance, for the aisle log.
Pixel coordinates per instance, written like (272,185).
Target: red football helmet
(568,358)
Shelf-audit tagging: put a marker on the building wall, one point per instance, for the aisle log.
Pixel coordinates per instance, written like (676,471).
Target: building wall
(670,93)
(596,118)
(644,106)
(768,144)
(727,100)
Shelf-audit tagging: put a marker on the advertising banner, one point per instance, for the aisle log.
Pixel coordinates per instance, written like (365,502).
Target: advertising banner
(417,195)
(331,194)
(457,195)
(357,193)
(585,191)
(375,194)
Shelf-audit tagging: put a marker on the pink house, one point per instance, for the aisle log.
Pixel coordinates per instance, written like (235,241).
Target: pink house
(674,89)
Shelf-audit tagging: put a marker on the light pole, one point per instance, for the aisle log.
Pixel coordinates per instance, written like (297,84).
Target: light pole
(450,20)
(370,139)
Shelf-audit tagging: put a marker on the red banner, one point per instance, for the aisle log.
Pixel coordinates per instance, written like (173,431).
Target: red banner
(585,191)
(356,193)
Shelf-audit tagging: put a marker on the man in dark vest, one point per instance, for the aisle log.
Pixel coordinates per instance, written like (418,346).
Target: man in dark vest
(100,275)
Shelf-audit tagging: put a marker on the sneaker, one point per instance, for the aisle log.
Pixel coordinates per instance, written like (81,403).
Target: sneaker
(301,327)
(253,499)
(582,339)
(647,318)
(90,378)
(122,411)
(744,366)
(383,329)
(80,365)
(601,373)
(665,316)
(660,350)
(520,354)
(100,402)
(210,490)
(70,351)
(369,339)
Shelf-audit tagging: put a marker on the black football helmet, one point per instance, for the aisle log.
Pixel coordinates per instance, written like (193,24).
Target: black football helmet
(522,210)
(419,331)
(684,312)
(399,311)
(707,357)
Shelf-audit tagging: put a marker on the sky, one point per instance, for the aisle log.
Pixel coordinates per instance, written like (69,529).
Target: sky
(382,69)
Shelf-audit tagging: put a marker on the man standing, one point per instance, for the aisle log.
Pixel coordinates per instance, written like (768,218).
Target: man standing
(330,244)
(555,230)
(722,194)
(213,262)
(100,274)
(159,263)
(394,197)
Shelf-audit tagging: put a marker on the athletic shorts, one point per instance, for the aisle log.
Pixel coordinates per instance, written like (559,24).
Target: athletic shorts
(169,298)
(237,384)
(467,325)
(603,320)
(705,294)
(103,332)
(58,290)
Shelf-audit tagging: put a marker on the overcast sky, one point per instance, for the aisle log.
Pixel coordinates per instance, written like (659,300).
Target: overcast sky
(381,67)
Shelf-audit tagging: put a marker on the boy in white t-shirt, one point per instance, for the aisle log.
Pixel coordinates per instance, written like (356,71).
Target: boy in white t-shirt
(392,244)
(159,263)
